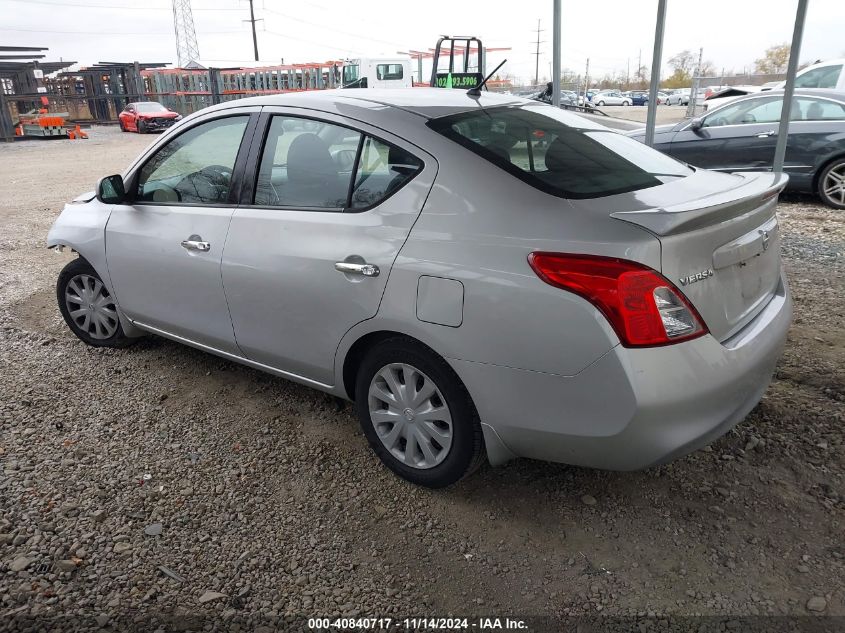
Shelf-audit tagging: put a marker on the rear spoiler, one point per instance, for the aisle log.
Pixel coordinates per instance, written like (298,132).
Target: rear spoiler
(756,189)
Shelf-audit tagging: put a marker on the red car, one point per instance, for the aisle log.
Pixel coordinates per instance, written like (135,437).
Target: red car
(146,116)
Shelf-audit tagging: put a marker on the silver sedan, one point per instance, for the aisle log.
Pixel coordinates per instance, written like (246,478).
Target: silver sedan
(485,277)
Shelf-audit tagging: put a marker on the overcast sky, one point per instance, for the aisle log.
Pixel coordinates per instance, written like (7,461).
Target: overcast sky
(733,33)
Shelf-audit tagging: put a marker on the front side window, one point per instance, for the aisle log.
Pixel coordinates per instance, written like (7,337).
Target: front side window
(558,152)
(747,111)
(386,72)
(195,167)
(350,73)
(824,77)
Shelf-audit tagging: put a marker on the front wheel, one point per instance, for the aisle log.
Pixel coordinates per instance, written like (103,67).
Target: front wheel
(87,306)
(626,103)
(831,185)
(141,127)
(417,415)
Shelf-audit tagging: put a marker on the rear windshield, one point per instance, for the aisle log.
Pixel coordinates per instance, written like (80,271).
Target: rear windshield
(558,152)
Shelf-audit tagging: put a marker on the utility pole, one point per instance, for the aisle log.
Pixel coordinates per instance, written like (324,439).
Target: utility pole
(640,66)
(628,75)
(657,56)
(252,21)
(537,55)
(586,81)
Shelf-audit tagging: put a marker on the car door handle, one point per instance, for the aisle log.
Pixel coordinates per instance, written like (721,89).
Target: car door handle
(765,134)
(196,245)
(351,268)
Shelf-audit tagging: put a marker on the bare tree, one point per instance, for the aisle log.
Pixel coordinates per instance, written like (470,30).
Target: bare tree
(774,60)
(683,63)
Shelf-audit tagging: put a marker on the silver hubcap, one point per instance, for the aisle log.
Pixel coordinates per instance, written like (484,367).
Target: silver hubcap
(410,416)
(91,307)
(834,184)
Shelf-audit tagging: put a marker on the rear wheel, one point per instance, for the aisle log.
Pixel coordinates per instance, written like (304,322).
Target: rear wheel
(122,126)
(831,186)
(88,308)
(600,103)
(417,415)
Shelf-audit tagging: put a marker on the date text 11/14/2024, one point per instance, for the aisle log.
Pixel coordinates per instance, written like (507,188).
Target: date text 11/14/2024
(417,624)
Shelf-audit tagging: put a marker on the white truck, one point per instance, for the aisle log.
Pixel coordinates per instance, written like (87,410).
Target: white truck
(381,72)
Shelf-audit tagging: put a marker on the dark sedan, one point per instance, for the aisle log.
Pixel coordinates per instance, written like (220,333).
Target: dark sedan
(741,136)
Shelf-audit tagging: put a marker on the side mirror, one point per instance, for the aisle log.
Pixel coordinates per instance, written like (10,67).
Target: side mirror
(110,190)
(696,124)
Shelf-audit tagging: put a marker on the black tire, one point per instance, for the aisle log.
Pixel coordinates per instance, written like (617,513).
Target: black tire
(467,450)
(839,166)
(73,269)
(600,103)
(141,127)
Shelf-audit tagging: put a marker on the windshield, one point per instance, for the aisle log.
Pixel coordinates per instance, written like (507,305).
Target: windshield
(350,73)
(151,106)
(559,152)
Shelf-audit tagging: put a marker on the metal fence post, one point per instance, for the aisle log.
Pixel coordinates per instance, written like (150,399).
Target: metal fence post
(789,89)
(651,117)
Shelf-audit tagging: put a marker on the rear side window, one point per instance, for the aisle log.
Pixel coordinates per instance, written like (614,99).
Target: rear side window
(386,72)
(308,164)
(382,169)
(560,153)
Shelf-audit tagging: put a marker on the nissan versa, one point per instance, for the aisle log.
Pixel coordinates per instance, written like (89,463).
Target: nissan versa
(484,276)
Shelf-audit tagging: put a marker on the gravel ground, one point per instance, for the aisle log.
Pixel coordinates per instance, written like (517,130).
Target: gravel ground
(161,482)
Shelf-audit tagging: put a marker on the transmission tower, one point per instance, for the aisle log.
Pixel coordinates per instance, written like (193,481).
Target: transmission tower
(186,36)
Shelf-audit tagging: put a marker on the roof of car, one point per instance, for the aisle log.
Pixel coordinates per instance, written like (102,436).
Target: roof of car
(802,92)
(425,102)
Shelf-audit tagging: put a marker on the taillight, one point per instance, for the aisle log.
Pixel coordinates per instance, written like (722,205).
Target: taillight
(644,308)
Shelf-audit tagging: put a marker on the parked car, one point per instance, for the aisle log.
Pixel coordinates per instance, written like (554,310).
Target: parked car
(725,95)
(827,74)
(679,97)
(146,116)
(639,97)
(610,97)
(416,252)
(741,136)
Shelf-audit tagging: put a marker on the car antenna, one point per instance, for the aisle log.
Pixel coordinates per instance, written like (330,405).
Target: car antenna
(475,91)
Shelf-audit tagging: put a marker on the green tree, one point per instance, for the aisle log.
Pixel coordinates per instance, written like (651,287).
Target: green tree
(774,60)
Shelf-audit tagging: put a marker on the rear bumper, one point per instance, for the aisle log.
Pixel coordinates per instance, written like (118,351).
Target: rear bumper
(633,408)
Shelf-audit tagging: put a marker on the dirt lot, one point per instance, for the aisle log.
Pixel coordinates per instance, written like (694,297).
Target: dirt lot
(266,492)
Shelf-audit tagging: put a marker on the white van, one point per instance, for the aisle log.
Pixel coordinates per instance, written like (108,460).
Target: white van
(382,72)
(829,74)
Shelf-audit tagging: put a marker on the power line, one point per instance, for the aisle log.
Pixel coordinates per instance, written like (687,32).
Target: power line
(108,33)
(118,7)
(328,28)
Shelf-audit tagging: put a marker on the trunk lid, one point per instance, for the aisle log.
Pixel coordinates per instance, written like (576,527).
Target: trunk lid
(720,243)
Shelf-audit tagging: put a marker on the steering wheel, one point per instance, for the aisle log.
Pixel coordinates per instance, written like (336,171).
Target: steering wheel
(209,184)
